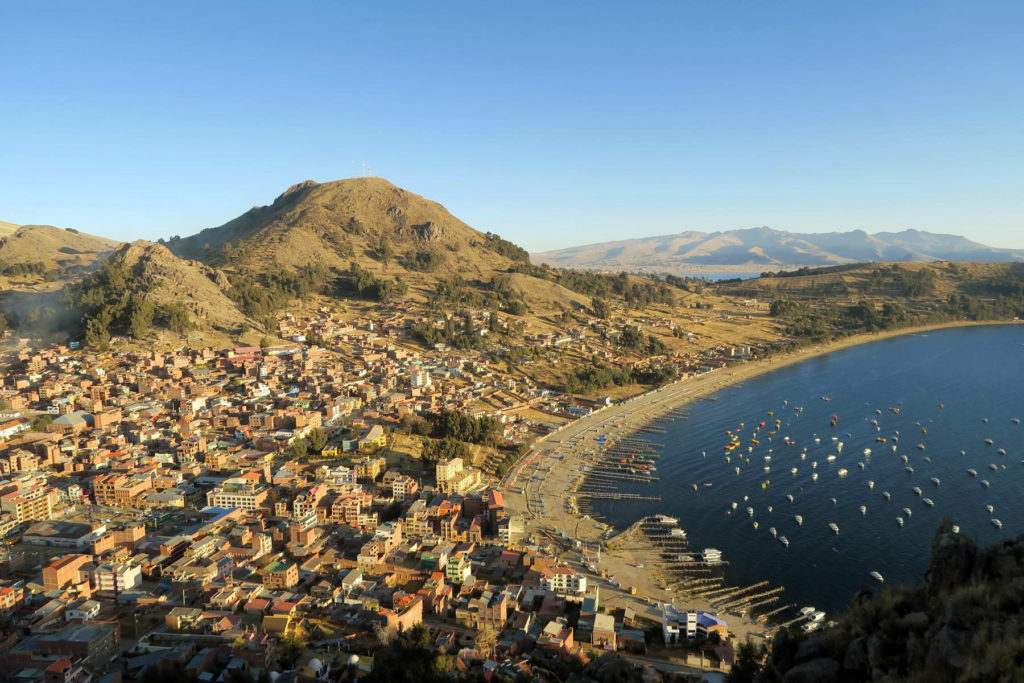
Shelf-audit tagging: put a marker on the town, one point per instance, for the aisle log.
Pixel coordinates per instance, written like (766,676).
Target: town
(272,509)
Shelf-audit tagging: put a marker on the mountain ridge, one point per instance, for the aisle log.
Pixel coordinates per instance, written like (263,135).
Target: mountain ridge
(764,247)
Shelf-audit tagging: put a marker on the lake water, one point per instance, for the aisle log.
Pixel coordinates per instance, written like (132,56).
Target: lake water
(944,384)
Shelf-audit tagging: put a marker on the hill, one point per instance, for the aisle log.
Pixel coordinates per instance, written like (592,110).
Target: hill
(756,249)
(367,221)
(49,251)
(143,288)
(962,624)
(7,228)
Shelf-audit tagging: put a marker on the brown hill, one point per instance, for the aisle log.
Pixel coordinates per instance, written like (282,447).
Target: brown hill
(54,248)
(7,228)
(171,281)
(366,220)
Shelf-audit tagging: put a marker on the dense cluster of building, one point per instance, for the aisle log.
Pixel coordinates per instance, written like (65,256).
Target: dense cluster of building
(152,510)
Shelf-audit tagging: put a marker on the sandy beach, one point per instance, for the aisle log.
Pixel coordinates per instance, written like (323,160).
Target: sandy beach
(540,484)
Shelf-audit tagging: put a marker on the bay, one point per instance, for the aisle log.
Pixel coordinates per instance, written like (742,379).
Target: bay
(947,390)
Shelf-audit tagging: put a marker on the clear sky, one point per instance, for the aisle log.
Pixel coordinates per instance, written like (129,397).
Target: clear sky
(551,123)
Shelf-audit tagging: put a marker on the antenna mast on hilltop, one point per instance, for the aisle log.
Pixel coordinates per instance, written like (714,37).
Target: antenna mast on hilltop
(366,170)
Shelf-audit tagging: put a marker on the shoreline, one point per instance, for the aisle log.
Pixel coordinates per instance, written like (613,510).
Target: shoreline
(555,461)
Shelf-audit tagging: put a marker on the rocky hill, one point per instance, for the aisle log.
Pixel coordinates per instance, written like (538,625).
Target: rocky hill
(965,623)
(45,248)
(367,221)
(757,249)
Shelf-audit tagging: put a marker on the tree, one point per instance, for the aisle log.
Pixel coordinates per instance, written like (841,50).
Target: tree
(600,307)
(317,439)
(298,448)
(41,423)
(486,639)
(266,342)
(141,319)
(290,649)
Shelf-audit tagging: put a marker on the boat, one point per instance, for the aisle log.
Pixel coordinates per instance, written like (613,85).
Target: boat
(972,472)
(773,532)
(956,529)
(799,519)
(988,442)
(867,451)
(963,452)
(904,458)
(750,512)
(908,512)
(909,469)
(917,490)
(834,527)
(712,556)
(1001,451)
(755,524)
(861,465)
(878,577)
(984,482)
(996,523)
(831,458)
(863,509)
(920,446)
(879,439)
(735,505)
(842,472)
(665,519)
(888,496)
(990,509)
(807,611)
(793,471)
(929,502)
(935,480)
(992,466)
(1015,420)
(899,520)
(789,496)
(834,501)
(784,541)
(814,476)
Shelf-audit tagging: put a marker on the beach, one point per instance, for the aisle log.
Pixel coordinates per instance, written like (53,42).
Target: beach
(547,474)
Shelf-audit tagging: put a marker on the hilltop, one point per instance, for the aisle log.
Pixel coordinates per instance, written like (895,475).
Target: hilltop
(54,253)
(367,221)
(756,249)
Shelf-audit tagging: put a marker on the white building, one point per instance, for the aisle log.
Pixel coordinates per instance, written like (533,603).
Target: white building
(118,577)
(563,581)
(82,610)
(420,379)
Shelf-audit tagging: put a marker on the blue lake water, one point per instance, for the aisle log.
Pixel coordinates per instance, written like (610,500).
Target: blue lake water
(944,383)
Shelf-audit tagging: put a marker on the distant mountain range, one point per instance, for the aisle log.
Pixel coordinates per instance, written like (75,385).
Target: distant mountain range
(759,249)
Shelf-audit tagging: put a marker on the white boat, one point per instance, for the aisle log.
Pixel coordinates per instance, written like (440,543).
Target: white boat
(834,501)
(665,519)
(784,541)
(842,472)
(755,524)
(831,458)
(814,476)
(910,470)
(989,442)
(799,519)
(750,512)
(956,529)
(814,465)
(878,577)
(963,452)
(818,617)
(997,523)
(899,520)
(770,508)
(990,509)
(904,458)
(920,446)
(867,451)
(871,483)
(887,495)
(863,509)
(972,472)
(793,471)
(908,512)
(929,502)
(834,527)
(1015,420)
(936,481)
(984,482)
(735,505)
(767,468)
(861,465)
(807,611)
(712,556)
(1001,451)
(917,490)
(993,467)
(789,496)
(773,532)
(737,470)
(839,447)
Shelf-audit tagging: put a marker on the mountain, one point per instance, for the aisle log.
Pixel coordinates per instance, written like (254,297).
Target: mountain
(47,248)
(368,221)
(765,248)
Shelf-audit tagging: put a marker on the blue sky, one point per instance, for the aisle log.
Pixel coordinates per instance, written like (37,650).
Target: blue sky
(553,124)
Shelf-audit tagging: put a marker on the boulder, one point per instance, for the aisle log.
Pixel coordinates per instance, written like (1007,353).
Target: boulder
(821,670)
